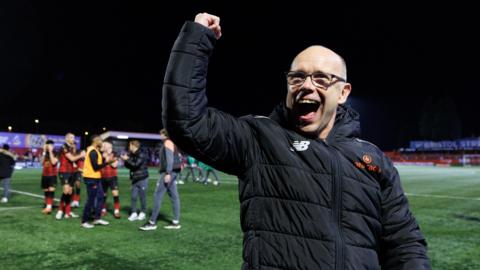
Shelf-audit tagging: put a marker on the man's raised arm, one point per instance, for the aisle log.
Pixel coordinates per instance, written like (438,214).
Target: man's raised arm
(212,136)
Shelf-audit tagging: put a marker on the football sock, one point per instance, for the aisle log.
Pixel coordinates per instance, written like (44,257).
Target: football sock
(116,201)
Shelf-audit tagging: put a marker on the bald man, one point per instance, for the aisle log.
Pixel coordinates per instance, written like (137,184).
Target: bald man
(313,195)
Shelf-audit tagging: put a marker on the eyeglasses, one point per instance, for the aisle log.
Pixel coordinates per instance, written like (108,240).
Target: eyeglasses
(319,79)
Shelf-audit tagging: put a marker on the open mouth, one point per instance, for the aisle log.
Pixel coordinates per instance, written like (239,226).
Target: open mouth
(306,109)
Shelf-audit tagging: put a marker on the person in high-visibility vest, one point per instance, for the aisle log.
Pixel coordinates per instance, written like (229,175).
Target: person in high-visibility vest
(92,178)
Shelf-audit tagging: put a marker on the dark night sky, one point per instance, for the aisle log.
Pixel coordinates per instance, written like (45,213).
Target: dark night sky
(60,60)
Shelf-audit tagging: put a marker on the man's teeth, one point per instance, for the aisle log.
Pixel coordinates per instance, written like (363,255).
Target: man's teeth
(307,101)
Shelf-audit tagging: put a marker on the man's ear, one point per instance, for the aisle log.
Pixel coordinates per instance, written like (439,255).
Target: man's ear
(345,92)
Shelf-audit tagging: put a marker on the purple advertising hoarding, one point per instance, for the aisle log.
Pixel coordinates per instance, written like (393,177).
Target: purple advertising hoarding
(28,140)
(462,144)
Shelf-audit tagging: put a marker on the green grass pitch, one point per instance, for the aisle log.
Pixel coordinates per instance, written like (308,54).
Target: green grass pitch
(446,202)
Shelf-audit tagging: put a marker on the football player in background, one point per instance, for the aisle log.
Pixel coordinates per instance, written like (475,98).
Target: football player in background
(190,167)
(110,179)
(206,171)
(77,177)
(49,175)
(66,171)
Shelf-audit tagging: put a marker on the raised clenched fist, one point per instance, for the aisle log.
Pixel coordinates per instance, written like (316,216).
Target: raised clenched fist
(210,21)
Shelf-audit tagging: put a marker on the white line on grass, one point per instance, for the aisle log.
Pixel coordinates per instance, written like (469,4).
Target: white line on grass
(28,194)
(16,208)
(442,196)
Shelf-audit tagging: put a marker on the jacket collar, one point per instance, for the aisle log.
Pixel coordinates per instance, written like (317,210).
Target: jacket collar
(347,122)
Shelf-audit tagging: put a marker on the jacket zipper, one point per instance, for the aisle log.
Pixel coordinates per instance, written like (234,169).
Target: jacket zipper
(337,210)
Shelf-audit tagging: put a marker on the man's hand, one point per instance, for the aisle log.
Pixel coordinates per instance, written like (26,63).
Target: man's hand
(210,21)
(110,159)
(124,156)
(167,179)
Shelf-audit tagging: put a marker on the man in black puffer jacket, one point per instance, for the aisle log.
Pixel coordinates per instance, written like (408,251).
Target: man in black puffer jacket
(313,195)
(136,162)
(7,164)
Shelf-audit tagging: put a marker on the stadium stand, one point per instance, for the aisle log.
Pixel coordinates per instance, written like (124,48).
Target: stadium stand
(462,152)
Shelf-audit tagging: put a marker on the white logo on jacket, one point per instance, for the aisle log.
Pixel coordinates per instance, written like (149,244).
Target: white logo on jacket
(301,145)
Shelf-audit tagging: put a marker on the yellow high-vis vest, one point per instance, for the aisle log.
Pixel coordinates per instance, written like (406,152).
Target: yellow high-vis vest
(88,171)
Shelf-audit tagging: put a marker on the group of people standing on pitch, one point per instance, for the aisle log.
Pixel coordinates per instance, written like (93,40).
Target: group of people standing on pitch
(67,164)
(97,168)
(73,167)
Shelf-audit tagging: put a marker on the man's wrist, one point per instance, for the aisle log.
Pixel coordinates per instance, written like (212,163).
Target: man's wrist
(197,30)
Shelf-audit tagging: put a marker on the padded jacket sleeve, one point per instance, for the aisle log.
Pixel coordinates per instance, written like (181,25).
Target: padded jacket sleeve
(402,243)
(136,161)
(209,135)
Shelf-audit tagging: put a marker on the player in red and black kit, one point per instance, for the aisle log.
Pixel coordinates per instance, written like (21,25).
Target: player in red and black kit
(77,176)
(66,173)
(110,179)
(49,175)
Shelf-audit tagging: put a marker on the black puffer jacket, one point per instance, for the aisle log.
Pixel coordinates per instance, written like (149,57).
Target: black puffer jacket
(7,164)
(137,164)
(305,203)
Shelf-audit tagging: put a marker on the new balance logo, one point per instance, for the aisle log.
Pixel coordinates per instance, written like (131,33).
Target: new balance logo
(301,145)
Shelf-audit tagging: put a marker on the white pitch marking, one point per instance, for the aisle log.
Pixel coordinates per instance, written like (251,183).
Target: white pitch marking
(15,208)
(28,194)
(442,196)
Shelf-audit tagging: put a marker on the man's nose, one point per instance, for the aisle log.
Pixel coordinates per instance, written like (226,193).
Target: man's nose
(308,84)
(307,87)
